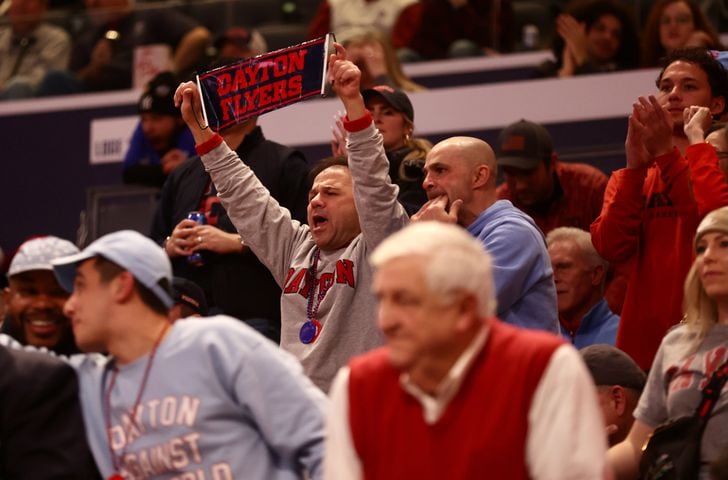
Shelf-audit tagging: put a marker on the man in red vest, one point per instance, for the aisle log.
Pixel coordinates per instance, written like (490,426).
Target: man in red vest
(456,393)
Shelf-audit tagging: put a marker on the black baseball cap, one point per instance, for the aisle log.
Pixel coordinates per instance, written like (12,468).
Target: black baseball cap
(158,97)
(187,292)
(396,98)
(523,145)
(609,365)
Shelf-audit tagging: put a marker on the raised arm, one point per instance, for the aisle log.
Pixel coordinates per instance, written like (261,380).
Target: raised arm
(375,196)
(262,223)
(616,232)
(709,188)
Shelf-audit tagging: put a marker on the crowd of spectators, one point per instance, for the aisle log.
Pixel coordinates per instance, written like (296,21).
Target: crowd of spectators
(350,320)
(109,44)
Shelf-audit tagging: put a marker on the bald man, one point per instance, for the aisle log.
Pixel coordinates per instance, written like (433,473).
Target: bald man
(460,185)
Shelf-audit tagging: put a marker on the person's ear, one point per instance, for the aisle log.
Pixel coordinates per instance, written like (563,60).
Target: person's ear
(6,295)
(467,306)
(619,399)
(597,275)
(481,176)
(123,287)
(717,105)
(552,162)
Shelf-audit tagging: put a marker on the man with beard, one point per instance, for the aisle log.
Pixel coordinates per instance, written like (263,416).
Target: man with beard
(34,299)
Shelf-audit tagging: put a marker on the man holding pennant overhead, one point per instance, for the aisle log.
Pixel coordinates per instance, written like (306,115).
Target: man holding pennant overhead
(327,307)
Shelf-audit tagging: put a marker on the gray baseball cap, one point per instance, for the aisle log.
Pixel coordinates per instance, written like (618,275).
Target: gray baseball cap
(37,254)
(130,250)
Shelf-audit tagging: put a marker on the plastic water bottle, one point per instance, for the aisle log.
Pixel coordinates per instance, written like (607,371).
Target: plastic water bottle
(196,257)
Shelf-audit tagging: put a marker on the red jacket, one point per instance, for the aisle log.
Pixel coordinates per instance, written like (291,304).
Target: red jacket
(649,218)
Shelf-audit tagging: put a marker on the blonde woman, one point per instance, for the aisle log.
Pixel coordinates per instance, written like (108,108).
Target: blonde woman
(688,355)
(394,116)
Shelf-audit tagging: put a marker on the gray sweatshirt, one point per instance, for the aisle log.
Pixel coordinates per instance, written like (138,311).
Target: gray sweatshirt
(347,312)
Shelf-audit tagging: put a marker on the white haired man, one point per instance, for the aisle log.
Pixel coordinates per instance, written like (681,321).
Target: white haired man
(488,398)
(579,274)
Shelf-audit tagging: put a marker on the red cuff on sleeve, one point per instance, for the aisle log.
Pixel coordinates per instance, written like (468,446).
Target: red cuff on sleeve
(358,124)
(208,145)
(698,147)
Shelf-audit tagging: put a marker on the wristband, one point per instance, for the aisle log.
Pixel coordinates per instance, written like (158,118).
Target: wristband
(359,124)
(208,145)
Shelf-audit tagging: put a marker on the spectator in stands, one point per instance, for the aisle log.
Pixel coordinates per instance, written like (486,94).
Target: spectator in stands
(103,55)
(673,25)
(394,117)
(240,43)
(372,52)
(671,181)
(327,305)
(460,28)
(619,381)
(396,19)
(34,299)
(688,356)
(553,193)
(717,12)
(207,398)
(579,275)
(161,140)
(234,280)
(436,415)
(460,184)
(593,36)
(42,433)
(718,137)
(29,47)
(189,300)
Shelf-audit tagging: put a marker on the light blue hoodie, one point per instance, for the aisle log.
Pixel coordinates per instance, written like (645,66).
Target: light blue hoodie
(221,402)
(524,279)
